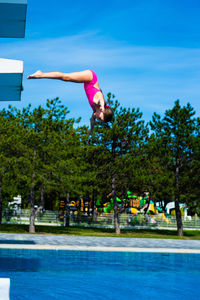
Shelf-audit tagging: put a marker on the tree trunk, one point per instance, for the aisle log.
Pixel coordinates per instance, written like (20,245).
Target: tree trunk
(116,215)
(94,211)
(1,201)
(178,218)
(32,211)
(155,207)
(32,200)
(42,193)
(67,221)
(177,206)
(35,211)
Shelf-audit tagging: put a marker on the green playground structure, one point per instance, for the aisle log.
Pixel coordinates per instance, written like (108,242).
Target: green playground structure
(133,204)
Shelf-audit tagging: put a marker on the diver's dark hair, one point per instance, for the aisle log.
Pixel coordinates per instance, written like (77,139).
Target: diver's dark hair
(108,114)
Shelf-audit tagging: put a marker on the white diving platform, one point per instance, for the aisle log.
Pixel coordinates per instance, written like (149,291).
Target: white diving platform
(13,18)
(11,74)
(4,288)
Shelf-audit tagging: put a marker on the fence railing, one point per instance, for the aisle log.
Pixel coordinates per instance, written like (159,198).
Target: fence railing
(133,221)
(22,217)
(105,221)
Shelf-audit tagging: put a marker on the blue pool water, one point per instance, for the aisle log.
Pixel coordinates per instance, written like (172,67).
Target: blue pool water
(50,274)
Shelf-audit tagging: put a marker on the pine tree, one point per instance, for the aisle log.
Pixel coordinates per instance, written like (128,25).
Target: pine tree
(192,175)
(115,147)
(47,160)
(174,134)
(9,152)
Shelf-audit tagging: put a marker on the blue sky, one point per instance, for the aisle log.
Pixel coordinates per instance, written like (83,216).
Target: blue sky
(147,53)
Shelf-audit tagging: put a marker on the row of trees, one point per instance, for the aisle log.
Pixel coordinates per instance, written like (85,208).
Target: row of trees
(45,156)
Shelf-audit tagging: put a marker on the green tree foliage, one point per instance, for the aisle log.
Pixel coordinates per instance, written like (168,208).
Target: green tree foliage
(174,136)
(48,161)
(9,153)
(157,177)
(46,157)
(116,148)
(192,178)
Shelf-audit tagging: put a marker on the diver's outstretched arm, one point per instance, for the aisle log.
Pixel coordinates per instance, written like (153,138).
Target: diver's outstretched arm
(79,77)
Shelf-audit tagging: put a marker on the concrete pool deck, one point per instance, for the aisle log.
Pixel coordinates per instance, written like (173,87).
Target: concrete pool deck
(90,243)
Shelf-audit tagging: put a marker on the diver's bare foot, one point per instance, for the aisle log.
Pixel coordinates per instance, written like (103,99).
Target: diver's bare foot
(35,75)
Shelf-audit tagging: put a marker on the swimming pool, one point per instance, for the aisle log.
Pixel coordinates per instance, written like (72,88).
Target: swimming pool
(51,274)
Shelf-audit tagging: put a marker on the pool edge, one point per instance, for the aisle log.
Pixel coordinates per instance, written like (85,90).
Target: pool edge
(98,248)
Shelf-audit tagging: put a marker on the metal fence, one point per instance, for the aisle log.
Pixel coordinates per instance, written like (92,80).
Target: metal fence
(54,218)
(22,216)
(128,221)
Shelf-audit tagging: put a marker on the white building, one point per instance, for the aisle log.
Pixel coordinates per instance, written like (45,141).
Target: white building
(171,206)
(16,203)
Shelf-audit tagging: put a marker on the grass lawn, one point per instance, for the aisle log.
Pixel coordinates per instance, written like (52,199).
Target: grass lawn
(131,233)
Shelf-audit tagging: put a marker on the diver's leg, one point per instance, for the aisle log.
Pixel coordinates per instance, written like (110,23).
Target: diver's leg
(79,77)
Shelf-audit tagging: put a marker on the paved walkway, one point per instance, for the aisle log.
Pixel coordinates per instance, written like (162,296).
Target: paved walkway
(63,242)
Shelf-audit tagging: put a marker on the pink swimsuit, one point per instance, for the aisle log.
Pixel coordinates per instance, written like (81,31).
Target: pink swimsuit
(91,91)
